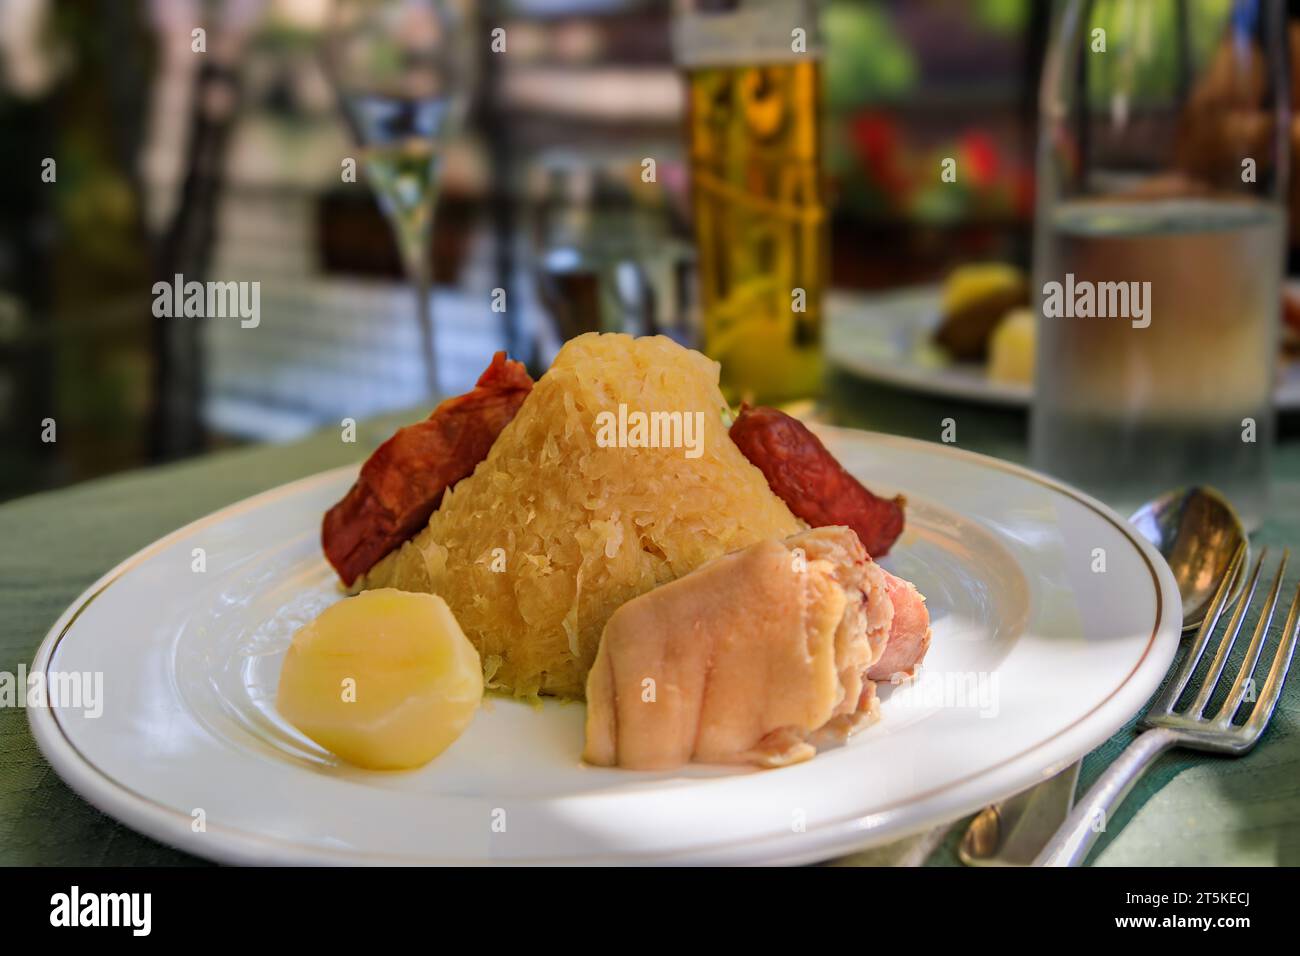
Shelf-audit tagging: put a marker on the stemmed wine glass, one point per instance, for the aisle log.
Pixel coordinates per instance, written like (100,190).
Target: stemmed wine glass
(399,71)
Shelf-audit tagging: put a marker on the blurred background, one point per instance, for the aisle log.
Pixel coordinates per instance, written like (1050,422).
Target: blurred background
(227,165)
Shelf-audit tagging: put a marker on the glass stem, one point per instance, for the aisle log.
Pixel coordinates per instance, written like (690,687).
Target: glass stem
(421,275)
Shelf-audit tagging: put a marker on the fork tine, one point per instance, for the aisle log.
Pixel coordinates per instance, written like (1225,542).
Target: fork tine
(1163,705)
(1228,640)
(1238,691)
(1277,673)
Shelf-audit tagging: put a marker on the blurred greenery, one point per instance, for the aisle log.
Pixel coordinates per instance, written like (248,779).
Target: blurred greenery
(1142,48)
(866,59)
(1002,16)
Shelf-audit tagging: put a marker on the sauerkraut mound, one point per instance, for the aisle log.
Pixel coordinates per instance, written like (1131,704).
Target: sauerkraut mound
(553,532)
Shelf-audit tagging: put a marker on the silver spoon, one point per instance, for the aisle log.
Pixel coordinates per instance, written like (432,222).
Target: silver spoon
(1197,531)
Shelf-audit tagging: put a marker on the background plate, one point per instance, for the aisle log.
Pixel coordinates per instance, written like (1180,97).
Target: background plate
(886,339)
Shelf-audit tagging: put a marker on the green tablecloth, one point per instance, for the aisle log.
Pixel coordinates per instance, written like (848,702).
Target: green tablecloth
(1190,809)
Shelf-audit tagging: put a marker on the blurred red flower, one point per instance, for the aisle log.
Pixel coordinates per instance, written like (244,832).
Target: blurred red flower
(876,138)
(979,158)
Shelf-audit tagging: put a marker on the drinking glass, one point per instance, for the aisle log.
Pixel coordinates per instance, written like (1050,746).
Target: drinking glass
(754,130)
(399,69)
(1159,247)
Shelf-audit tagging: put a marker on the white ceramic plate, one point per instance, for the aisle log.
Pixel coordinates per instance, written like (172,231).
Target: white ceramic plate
(886,339)
(1038,657)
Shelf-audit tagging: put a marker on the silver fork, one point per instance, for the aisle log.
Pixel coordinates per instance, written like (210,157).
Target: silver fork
(1167,727)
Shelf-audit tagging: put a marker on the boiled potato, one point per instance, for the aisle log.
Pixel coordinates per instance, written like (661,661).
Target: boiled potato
(1012,348)
(386,680)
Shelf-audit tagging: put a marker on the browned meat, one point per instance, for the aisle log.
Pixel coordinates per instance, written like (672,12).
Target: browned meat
(811,482)
(402,483)
(909,634)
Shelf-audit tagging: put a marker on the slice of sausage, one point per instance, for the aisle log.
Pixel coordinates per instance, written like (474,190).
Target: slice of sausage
(811,482)
(403,482)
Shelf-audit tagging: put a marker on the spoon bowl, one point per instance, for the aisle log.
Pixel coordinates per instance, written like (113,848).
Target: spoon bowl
(1197,532)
